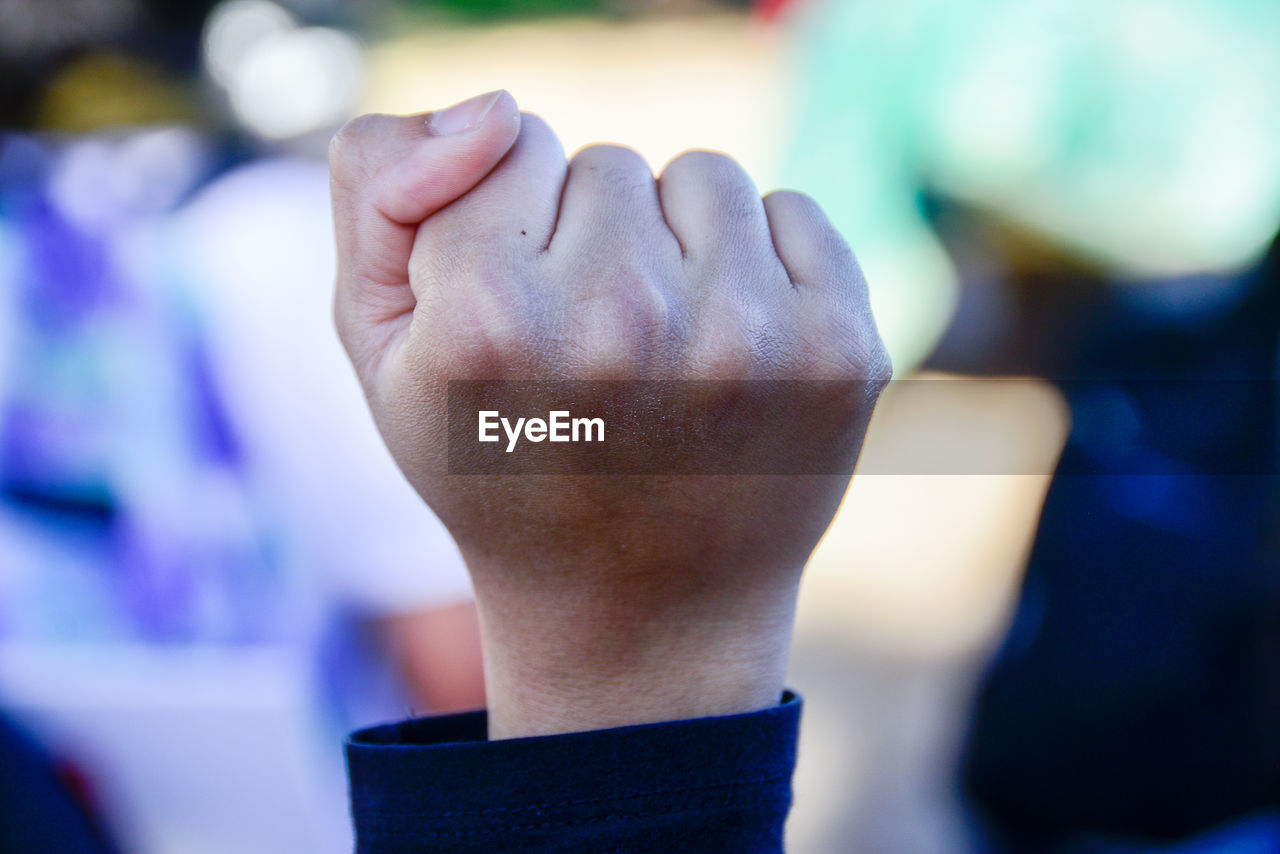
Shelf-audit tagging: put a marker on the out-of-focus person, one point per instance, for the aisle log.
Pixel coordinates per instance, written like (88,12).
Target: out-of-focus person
(198,595)
(1088,193)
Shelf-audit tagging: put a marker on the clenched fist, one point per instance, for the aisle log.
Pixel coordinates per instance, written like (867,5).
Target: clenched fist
(674,309)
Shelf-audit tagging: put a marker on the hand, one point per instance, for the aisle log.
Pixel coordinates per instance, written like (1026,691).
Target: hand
(605,600)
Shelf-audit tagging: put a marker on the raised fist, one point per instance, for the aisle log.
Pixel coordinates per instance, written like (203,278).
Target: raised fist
(723,343)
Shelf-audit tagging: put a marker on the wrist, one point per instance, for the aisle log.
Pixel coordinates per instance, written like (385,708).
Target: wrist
(567,660)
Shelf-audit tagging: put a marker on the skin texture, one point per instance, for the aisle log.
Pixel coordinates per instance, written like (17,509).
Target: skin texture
(484,254)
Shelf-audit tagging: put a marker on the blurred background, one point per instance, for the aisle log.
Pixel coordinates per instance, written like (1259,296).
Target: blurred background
(1047,618)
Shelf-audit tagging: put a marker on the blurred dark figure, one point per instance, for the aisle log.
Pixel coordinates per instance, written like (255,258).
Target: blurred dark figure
(1112,181)
(44,806)
(156,494)
(1137,695)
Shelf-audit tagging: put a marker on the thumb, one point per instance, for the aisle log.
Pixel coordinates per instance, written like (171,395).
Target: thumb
(387,175)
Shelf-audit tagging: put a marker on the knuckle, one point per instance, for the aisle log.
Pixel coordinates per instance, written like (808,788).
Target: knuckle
(861,349)
(792,201)
(535,131)
(842,348)
(623,330)
(708,167)
(715,188)
(727,355)
(701,161)
(347,139)
(879,363)
(488,351)
(610,163)
(532,123)
(822,359)
(483,329)
(348,147)
(651,314)
(602,352)
(650,325)
(793,211)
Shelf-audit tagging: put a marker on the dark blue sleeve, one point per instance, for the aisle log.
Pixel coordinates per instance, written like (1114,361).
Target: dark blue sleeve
(705,785)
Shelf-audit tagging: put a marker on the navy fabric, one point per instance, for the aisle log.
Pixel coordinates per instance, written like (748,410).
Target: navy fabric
(1138,690)
(39,814)
(704,785)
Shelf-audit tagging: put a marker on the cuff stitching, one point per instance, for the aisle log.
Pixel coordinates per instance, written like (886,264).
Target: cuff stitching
(499,829)
(622,796)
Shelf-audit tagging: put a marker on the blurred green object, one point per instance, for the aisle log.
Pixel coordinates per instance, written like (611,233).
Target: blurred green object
(490,10)
(1143,136)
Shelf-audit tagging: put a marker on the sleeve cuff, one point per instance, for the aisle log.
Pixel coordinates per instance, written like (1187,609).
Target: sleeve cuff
(708,784)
